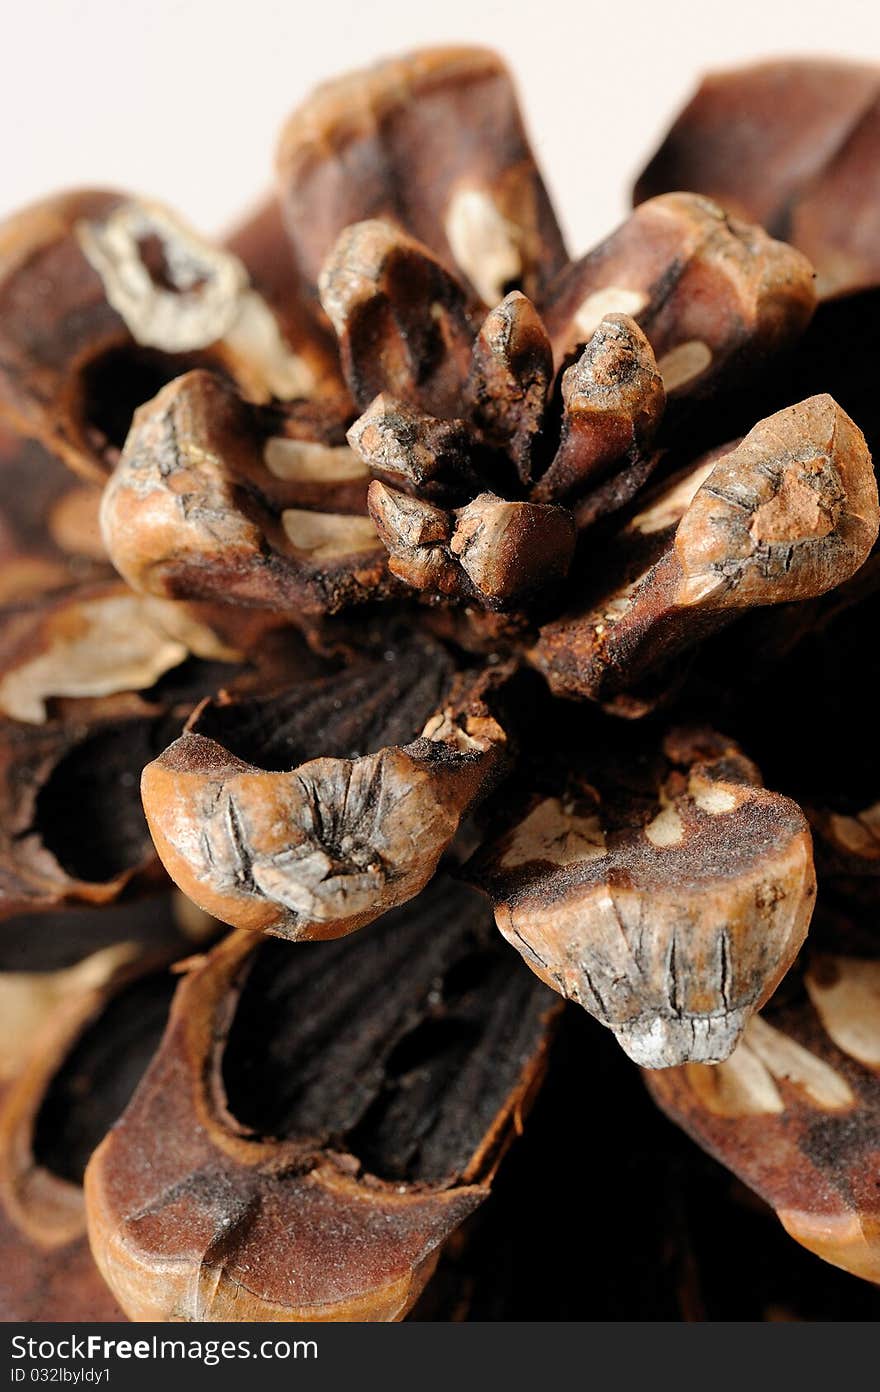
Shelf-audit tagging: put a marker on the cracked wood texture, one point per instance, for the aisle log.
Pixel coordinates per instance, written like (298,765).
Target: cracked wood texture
(613,400)
(795,1110)
(793,145)
(319,1120)
(787,514)
(309,812)
(657,884)
(495,553)
(217,499)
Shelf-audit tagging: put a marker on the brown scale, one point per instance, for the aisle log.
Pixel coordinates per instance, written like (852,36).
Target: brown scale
(795,1111)
(649,877)
(800,162)
(217,499)
(354,1101)
(310,812)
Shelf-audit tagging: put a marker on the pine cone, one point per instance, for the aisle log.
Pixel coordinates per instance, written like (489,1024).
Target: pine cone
(385,555)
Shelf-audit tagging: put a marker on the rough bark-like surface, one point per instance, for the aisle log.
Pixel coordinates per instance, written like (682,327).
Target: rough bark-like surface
(374,475)
(496,553)
(613,400)
(660,887)
(309,813)
(435,460)
(510,381)
(789,513)
(318,1121)
(215,499)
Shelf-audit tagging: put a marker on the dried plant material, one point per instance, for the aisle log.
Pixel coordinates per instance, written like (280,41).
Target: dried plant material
(72,828)
(793,1112)
(715,296)
(199,306)
(47,1128)
(30,1000)
(419,454)
(510,381)
(61,1030)
(613,399)
(851,839)
(359,476)
(261,243)
(310,812)
(87,642)
(49,532)
(215,499)
(508,551)
(96,642)
(494,552)
(791,144)
(615,493)
(845,993)
(418,536)
(86,1034)
(319,1120)
(311,462)
(39,1284)
(801,111)
(663,889)
(815,519)
(834,219)
(433,142)
(51,963)
(208,301)
(787,514)
(104,298)
(401,319)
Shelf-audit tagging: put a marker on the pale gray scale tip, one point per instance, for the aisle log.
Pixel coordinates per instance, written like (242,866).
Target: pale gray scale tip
(657,1041)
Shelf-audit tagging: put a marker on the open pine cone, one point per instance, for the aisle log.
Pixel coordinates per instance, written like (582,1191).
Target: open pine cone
(382,571)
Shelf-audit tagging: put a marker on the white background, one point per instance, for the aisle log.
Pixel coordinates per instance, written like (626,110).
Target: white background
(183,99)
